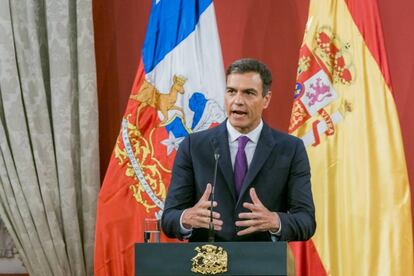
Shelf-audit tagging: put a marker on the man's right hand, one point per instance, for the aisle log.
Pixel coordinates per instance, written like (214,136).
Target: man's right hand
(199,215)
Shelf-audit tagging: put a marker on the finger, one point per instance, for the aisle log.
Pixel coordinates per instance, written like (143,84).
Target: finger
(254,197)
(250,206)
(248,215)
(216,215)
(206,193)
(206,213)
(205,223)
(246,231)
(207,204)
(246,223)
(203,213)
(218,225)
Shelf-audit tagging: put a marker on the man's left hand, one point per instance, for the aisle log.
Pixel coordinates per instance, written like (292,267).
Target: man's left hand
(259,219)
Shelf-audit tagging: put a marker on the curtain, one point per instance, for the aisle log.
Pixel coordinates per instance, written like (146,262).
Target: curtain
(7,249)
(49,175)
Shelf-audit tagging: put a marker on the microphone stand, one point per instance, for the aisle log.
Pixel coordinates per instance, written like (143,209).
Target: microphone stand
(211,225)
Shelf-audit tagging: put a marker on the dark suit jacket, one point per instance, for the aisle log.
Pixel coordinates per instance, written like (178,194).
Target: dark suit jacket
(279,172)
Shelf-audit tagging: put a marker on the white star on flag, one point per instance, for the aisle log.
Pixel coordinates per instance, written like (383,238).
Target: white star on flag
(172,143)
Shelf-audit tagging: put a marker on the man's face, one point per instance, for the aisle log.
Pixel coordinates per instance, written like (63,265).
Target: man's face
(244,100)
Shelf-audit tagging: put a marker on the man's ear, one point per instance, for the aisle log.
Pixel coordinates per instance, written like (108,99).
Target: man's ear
(267,99)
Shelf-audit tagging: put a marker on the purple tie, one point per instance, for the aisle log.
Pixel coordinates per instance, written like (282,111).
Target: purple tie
(240,164)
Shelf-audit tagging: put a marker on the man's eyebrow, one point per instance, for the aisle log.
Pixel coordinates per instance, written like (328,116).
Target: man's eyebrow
(244,90)
(249,90)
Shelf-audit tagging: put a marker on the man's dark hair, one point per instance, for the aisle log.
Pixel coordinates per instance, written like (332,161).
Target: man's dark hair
(246,65)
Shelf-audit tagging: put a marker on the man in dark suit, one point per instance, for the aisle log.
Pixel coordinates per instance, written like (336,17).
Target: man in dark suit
(263,189)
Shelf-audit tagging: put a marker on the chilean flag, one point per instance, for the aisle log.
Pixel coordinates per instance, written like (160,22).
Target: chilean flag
(178,89)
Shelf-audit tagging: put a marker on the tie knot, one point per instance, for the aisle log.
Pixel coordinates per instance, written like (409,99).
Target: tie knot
(242,141)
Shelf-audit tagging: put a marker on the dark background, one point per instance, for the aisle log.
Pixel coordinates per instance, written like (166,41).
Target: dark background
(270,30)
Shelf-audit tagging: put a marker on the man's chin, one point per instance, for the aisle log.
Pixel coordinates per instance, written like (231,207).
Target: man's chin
(236,122)
(239,126)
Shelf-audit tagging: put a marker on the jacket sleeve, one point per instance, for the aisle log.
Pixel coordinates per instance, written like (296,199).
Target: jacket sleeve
(180,194)
(298,223)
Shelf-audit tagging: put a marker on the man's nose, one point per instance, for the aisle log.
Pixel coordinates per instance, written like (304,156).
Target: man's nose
(238,98)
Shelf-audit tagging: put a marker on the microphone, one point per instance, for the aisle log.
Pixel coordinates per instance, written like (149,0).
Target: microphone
(211,225)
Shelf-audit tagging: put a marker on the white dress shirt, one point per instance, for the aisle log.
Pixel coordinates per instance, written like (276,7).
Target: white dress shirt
(250,146)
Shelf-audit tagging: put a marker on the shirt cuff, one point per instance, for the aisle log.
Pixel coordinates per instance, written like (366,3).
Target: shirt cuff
(184,231)
(279,231)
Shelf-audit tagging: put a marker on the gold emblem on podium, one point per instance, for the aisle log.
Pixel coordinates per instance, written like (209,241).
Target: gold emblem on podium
(210,259)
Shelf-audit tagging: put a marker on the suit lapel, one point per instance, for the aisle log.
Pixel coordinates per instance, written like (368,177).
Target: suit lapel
(220,143)
(263,150)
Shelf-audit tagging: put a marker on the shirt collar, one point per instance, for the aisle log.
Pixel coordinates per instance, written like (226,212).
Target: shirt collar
(253,135)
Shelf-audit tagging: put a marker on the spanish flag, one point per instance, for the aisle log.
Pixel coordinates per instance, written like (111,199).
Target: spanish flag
(345,113)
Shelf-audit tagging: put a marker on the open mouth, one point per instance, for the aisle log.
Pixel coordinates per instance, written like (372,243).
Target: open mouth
(238,113)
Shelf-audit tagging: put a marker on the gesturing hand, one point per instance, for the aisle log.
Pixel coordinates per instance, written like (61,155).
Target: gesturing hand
(259,219)
(199,215)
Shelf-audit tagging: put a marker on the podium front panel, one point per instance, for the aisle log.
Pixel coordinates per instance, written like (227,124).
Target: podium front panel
(244,258)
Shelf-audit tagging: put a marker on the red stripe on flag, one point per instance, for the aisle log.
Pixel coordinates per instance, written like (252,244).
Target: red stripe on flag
(366,17)
(307,260)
